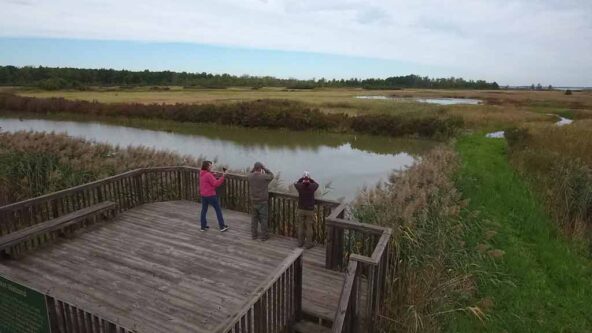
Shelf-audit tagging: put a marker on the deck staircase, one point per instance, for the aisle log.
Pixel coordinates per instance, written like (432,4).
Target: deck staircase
(305,326)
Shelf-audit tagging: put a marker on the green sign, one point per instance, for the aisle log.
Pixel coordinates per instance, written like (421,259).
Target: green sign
(22,310)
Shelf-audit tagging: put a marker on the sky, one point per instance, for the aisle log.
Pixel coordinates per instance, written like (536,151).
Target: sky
(515,42)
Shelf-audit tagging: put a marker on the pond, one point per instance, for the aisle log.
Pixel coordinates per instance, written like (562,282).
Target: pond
(561,122)
(342,163)
(439,101)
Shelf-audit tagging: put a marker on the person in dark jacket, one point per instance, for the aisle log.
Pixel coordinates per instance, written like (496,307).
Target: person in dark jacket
(306,187)
(259,180)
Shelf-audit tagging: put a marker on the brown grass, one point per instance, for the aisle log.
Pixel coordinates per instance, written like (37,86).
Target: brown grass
(318,96)
(34,163)
(492,117)
(573,141)
(503,107)
(558,160)
(510,97)
(428,279)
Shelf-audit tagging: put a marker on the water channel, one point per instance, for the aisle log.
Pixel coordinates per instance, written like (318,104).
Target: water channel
(345,163)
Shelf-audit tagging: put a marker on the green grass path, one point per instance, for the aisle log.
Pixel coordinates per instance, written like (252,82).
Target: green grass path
(547,287)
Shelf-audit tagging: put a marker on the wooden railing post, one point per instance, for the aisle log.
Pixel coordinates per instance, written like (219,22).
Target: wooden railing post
(371,297)
(298,288)
(346,316)
(54,209)
(355,300)
(334,239)
(138,183)
(186,184)
(258,316)
(338,248)
(329,247)
(334,248)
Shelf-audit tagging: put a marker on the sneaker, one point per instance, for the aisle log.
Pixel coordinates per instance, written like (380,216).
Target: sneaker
(224,228)
(263,239)
(205,228)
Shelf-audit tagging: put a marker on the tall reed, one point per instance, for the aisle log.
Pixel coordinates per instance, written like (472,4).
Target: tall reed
(558,160)
(35,163)
(428,276)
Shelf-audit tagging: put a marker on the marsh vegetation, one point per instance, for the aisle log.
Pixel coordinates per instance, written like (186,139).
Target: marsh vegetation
(490,234)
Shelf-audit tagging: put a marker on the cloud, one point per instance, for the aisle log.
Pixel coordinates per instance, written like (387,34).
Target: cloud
(509,41)
(20,2)
(372,15)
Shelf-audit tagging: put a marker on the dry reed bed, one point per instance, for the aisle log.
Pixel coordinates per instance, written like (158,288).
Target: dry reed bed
(268,113)
(558,160)
(429,277)
(579,99)
(35,163)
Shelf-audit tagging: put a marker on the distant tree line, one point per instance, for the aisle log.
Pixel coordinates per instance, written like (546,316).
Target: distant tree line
(540,87)
(54,78)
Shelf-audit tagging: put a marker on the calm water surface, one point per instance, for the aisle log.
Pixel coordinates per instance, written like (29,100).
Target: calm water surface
(561,122)
(439,101)
(345,162)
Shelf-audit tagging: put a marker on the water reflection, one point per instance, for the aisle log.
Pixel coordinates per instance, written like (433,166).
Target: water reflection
(347,162)
(439,101)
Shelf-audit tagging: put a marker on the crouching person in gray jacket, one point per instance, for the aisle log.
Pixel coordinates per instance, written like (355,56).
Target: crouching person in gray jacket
(259,180)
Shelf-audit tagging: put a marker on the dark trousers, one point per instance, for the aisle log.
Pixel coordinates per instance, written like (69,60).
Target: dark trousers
(205,202)
(304,222)
(259,216)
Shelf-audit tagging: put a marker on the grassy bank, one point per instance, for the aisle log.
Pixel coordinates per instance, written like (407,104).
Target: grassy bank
(535,281)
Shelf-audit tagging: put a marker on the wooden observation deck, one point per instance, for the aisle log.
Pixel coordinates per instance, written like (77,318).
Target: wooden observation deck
(126,254)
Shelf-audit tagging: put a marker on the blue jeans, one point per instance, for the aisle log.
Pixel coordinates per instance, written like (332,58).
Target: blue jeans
(205,202)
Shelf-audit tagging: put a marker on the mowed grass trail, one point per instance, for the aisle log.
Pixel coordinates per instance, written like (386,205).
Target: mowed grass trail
(539,284)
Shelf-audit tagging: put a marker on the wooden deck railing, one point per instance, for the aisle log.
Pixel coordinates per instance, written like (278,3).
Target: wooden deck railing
(345,240)
(275,305)
(364,250)
(65,317)
(140,186)
(347,316)
(124,189)
(346,237)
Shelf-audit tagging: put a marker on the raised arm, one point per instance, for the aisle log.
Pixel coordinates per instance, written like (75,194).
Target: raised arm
(268,174)
(313,185)
(215,182)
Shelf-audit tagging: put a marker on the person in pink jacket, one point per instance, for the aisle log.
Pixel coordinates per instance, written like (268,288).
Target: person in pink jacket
(207,189)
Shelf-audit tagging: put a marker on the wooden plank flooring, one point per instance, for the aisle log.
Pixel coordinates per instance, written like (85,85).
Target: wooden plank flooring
(153,270)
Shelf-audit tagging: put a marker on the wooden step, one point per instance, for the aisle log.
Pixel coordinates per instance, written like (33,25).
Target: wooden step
(305,326)
(315,311)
